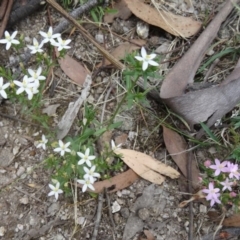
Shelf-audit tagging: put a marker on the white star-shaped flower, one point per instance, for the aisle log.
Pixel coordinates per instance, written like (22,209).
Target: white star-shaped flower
(55,190)
(36,47)
(86,184)
(36,76)
(43,142)
(114,147)
(91,174)
(9,39)
(25,86)
(3,87)
(62,148)
(61,44)
(49,36)
(146,59)
(85,158)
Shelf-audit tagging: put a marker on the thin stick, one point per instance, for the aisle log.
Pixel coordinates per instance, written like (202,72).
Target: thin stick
(215,62)
(189,175)
(98,218)
(105,101)
(110,212)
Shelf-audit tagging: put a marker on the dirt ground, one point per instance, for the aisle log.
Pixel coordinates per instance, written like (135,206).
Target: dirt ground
(146,209)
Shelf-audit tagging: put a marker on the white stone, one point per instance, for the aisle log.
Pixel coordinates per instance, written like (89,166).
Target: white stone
(115,207)
(202,209)
(2,231)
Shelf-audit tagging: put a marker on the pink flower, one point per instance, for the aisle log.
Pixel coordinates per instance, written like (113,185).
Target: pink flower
(219,167)
(232,194)
(227,185)
(212,194)
(233,170)
(207,163)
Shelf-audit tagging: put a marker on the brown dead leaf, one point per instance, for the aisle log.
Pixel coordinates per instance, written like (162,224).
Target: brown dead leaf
(73,69)
(123,12)
(125,48)
(121,181)
(232,221)
(177,148)
(146,166)
(174,24)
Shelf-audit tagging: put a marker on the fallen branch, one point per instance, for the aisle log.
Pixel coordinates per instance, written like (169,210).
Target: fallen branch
(62,26)
(68,118)
(21,10)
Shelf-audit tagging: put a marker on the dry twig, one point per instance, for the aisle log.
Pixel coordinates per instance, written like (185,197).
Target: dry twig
(110,212)
(98,218)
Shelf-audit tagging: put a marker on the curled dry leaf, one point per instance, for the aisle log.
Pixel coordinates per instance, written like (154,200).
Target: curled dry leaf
(146,166)
(196,196)
(121,181)
(174,24)
(177,148)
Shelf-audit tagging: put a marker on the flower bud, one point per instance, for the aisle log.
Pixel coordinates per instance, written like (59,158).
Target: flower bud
(207,163)
(232,194)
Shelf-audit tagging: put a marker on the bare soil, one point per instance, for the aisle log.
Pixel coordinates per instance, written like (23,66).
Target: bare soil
(26,212)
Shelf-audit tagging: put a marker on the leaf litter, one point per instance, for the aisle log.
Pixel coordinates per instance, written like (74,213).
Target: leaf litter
(207,104)
(127,178)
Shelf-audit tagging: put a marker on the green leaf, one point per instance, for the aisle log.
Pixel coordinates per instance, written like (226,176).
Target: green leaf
(209,133)
(218,55)
(112,11)
(100,132)
(86,134)
(94,16)
(115,125)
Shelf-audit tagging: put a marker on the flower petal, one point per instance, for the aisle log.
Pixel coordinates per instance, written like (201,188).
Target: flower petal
(144,65)
(143,52)
(153,63)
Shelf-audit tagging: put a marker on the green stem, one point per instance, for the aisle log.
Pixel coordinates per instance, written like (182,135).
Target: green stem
(122,101)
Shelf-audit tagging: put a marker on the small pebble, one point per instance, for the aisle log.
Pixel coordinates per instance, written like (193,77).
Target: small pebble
(202,209)
(143,214)
(115,207)
(116,218)
(20,171)
(125,212)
